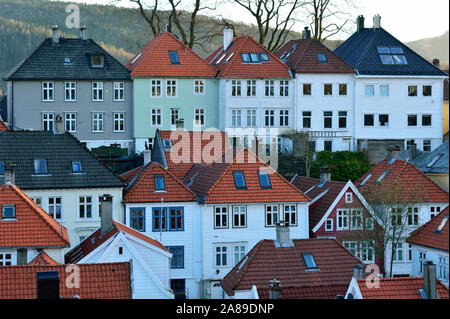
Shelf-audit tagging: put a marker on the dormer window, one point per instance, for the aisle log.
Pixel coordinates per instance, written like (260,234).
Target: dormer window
(322,58)
(174,59)
(159,183)
(97,61)
(167,144)
(8,211)
(40,166)
(310,262)
(239,180)
(76,167)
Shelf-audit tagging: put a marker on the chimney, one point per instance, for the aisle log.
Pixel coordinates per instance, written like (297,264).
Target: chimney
(358,272)
(48,284)
(59,127)
(412,151)
(168,28)
(325,174)
(228,34)
(55,35)
(429,280)
(376,21)
(83,32)
(180,123)
(106,214)
(147,157)
(283,239)
(306,34)
(437,63)
(274,289)
(360,23)
(9,173)
(392,153)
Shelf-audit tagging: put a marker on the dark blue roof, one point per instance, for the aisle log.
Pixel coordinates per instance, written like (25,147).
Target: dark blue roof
(360,51)
(438,159)
(3,109)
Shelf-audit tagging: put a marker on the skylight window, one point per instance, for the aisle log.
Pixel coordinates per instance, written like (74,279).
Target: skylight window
(245,57)
(174,59)
(221,58)
(391,56)
(264,179)
(67,61)
(159,183)
(137,57)
(430,164)
(229,57)
(252,57)
(239,180)
(8,211)
(167,143)
(442,224)
(365,180)
(322,58)
(76,167)
(309,260)
(40,166)
(264,57)
(385,173)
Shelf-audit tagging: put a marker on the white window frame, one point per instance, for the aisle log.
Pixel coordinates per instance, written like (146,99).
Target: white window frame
(48,89)
(269,114)
(223,251)
(443,268)
(174,116)
(398,251)
(98,121)
(369,223)
(155,88)
(348,197)
(236,88)
(364,248)
(251,118)
(71,119)
(97,92)
(239,253)
(155,114)
(422,261)
(331,228)
(83,205)
(269,88)
(356,215)
(251,88)
(119,120)
(239,212)
(284,118)
(71,88)
(351,246)
(47,121)
(171,88)
(342,215)
(4,261)
(414,213)
(274,215)
(284,88)
(369,86)
(388,90)
(199,87)
(236,118)
(291,213)
(200,113)
(221,213)
(54,206)
(119,88)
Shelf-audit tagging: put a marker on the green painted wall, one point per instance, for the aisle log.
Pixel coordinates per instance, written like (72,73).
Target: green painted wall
(185,101)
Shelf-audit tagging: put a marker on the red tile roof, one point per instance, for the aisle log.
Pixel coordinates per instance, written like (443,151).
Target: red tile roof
(90,243)
(235,68)
(128,176)
(154,60)
(189,148)
(399,288)
(3,126)
(303,58)
(427,234)
(43,259)
(32,227)
(97,281)
(216,182)
(404,182)
(318,209)
(266,262)
(142,190)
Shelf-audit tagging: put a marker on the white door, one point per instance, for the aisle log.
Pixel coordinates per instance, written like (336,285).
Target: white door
(216,290)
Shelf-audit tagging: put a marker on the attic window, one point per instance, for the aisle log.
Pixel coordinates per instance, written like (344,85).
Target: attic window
(322,58)
(442,224)
(309,260)
(137,57)
(385,173)
(264,57)
(167,144)
(8,211)
(97,61)
(239,180)
(229,57)
(40,166)
(264,179)
(391,56)
(221,58)
(76,167)
(430,164)
(252,57)
(159,183)
(174,59)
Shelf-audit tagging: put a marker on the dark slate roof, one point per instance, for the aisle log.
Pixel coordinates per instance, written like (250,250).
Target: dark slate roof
(3,109)
(440,166)
(360,51)
(46,62)
(59,150)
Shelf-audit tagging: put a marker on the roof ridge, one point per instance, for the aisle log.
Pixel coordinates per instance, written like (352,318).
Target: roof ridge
(416,231)
(303,53)
(21,63)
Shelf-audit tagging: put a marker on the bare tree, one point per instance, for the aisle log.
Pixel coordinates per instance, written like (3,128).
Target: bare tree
(328,17)
(274,19)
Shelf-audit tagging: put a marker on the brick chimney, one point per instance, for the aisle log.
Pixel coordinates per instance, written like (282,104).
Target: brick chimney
(437,63)
(429,280)
(325,174)
(106,214)
(274,289)
(55,34)
(9,174)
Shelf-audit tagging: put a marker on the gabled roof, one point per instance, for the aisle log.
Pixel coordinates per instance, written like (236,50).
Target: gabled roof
(42,259)
(93,241)
(266,262)
(47,62)
(403,181)
(142,189)
(301,56)
(97,281)
(215,183)
(360,51)
(3,108)
(231,64)
(435,162)
(32,226)
(59,151)
(399,288)
(154,60)
(429,236)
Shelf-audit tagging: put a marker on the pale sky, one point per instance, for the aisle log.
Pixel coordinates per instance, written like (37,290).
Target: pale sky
(408,20)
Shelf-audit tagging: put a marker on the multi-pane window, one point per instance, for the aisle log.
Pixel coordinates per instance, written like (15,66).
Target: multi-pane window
(269,88)
(119,122)
(412,90)
(239,216)
(367,251)
(239,253)
(426,90)
(422,261)
(251,87)
(97,122)
(434,210)
(427,145)
(236,118)
(48,121)
(156,117)
(398,251)
(369,90)
(306,89)
(8,211)
(342,220)
(251,118)
(40,166)
(343,89)
(396,217)
(171,219)
(177,252)
(284,88)
(413,216)
(349,198)
(221,256)
(171,88)
(176,220)
(221,217)
(328,119)
(369,223)
(70,120)
(306,119)
(37,200)
(329,224)
(6,259)
(271,215)
(85,207)
(412,120)
(48,91)
(137,219)
(199,116)
(443,268)
(383,120)
(97,91)
(342,119)
(199,87)
(384,90)
(352,246)
(426,119)
(55,207)
(284,118)
(156,88)
(269,117)
(328,89)
(235,88)
(356,219)
(290,214)
(159,219)
(119,91)
(369,120)
(70,91)
(328,145)
(174,116)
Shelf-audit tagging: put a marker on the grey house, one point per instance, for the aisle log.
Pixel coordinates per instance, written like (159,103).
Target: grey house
(75,84)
